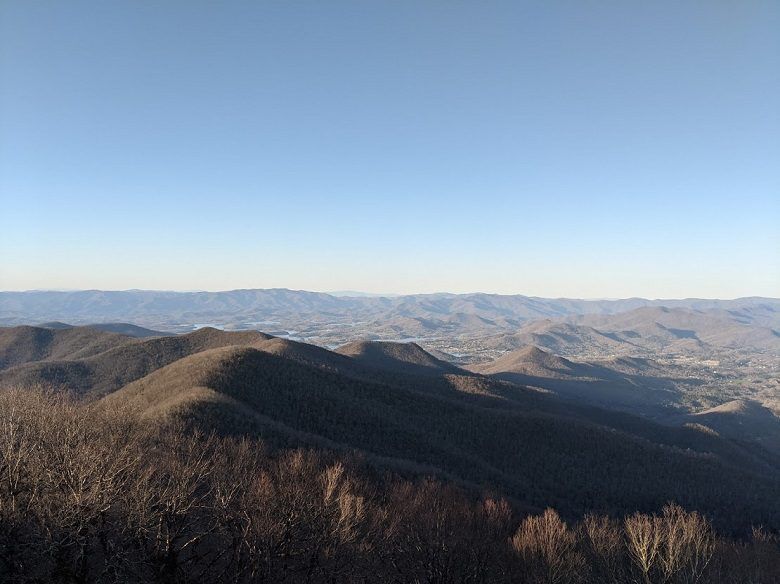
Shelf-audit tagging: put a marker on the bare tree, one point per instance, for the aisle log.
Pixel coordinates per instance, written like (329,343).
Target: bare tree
(604,543)
(90,494)
(688,544)
(644,537)
(549,549)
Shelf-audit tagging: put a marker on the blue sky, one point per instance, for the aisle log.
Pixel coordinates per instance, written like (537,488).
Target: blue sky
(586,149)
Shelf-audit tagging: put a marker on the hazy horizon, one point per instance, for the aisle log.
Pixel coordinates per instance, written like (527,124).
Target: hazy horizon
(558,149)
(358,293)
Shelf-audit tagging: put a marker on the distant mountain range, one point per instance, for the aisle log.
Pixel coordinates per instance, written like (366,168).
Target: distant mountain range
(307,313)
(652,329)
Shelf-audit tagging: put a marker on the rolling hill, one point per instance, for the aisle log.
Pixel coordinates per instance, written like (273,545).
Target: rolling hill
(533,361)
(630,384)
(122,328)
(745,420)
(406,358)
(646,330)
(400,408)
(539,455)
(106,361)
(26,344)
(663,328)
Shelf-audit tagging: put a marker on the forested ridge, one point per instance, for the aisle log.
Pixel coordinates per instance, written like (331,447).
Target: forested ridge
(527,448)
(89,494)
(225,457)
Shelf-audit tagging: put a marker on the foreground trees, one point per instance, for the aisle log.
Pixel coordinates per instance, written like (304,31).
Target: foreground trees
(89,495)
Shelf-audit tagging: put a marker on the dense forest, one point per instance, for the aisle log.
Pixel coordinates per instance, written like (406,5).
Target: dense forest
(88,493)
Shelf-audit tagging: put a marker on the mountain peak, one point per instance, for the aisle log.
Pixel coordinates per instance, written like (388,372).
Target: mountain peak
(398,357)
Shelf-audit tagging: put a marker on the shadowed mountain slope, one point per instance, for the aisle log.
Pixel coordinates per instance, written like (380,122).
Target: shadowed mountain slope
(308,354)
(55,325)
(474,429)
(131,330)
(26,344)
(743,420)
(109,366)
(122,328)
(533,361)
(633,365)
(405,358)
(633,384)
(535,456)
(108,370)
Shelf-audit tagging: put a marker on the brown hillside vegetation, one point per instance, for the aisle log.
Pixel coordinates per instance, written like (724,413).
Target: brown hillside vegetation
(418,476)
(532,361)
(89,495)
(108,370)
(560,338)
(743,419)
(649,330)
(122,328)
(540,457)
(408,358)
(634,384)
(131,330)
(78,358)
(25,344)
(534,448)
(311,355)
(665,325)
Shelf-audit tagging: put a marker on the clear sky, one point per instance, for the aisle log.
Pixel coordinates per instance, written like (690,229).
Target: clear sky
(551,148)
